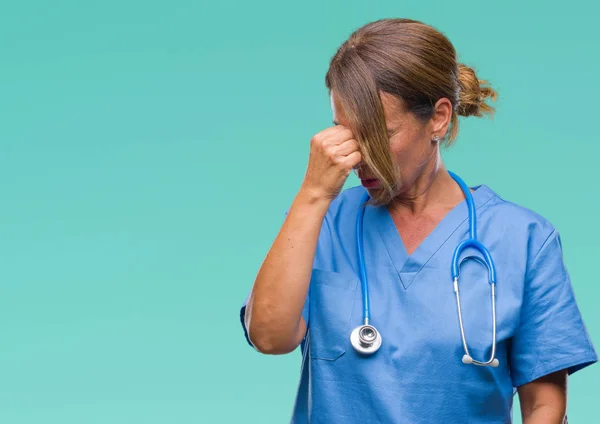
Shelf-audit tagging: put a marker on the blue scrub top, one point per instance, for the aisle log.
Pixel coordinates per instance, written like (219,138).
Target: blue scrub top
(417,375)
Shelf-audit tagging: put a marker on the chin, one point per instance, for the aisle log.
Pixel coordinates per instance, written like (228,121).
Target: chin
(378,197)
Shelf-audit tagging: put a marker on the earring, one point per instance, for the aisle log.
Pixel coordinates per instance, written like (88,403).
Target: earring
(436,138)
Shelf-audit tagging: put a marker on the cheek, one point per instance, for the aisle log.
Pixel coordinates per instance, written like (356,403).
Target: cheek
(408,151)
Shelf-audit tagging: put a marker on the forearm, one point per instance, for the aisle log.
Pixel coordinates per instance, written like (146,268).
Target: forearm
(273,313)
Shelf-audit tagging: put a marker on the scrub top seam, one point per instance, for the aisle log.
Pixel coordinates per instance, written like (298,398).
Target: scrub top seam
(542,247)
(528,278)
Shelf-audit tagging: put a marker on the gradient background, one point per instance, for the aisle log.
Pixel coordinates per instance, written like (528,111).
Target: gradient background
(149,150)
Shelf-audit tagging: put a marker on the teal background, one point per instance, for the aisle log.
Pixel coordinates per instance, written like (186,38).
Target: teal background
(148,152)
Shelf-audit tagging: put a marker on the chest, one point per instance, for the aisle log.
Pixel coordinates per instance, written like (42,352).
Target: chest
(413,230)
(412,301)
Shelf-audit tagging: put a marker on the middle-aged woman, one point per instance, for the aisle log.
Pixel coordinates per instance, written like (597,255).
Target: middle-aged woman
(401,316)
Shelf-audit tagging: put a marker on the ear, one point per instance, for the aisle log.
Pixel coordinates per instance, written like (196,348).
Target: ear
(442,116)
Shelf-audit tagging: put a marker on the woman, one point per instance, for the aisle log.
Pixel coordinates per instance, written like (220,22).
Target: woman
(396,92)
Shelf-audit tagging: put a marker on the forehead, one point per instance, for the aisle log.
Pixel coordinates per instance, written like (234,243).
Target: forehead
(393,108)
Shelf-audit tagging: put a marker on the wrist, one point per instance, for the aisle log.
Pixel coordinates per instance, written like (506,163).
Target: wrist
(312,201)
(313,196)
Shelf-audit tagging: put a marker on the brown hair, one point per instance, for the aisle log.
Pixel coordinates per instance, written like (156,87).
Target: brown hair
(411,61)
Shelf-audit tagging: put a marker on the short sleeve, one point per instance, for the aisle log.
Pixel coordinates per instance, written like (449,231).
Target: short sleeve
(243,320)
(552,335)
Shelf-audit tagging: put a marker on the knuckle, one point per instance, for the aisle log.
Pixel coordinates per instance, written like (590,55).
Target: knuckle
(329,151)
(338,160)
(354,144)
(347,134)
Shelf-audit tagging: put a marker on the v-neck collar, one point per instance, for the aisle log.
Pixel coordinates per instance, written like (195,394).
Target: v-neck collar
(409,266)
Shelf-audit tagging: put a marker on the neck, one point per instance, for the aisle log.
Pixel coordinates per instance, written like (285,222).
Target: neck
(434,188)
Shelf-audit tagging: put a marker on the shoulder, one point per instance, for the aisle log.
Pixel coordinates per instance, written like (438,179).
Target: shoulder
(515,220)
(347,202)
(343,210)
(337,237)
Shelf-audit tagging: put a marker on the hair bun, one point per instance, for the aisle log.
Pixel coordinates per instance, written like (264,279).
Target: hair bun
(473,94)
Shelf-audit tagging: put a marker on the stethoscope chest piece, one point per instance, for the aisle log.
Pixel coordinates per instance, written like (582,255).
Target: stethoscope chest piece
(365,339)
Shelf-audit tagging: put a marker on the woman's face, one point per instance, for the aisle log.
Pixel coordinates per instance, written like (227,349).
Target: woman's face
(413,151)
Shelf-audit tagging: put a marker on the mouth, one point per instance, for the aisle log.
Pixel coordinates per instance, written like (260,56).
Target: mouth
(370,182)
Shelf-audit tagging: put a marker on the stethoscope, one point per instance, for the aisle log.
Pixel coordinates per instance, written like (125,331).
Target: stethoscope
(367,340)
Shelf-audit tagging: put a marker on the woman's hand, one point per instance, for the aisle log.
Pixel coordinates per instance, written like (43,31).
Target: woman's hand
(333,154)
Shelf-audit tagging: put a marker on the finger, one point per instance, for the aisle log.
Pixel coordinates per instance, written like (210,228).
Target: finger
(333,136)
(324,137)
(339,137)
(347,147)
(329,131)
(352,160)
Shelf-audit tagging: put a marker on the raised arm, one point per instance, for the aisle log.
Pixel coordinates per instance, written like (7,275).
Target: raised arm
(273,314)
